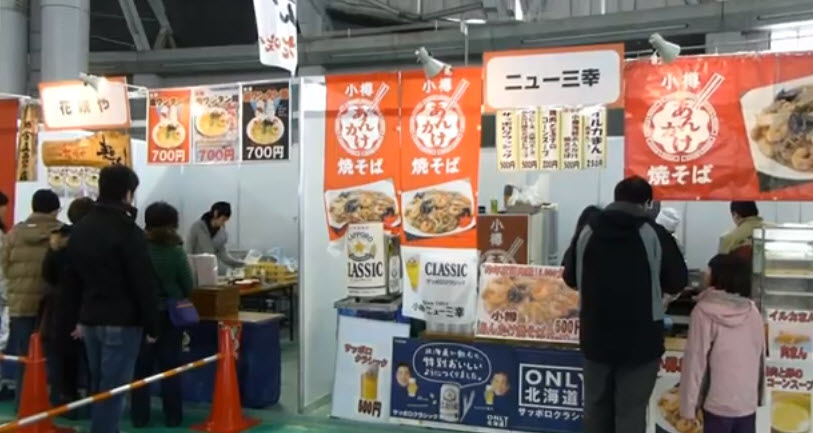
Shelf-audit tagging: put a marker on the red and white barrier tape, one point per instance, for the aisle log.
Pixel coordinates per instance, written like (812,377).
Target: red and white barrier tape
(12,358)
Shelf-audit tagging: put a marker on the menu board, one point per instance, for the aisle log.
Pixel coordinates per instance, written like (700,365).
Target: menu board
(361,152)
(215,114)
(507,153)
(549,138)
(169,126)
(528,125)
(789,334)
(440,158)
(523,302)
(486,385)
(266,121)
(595,137)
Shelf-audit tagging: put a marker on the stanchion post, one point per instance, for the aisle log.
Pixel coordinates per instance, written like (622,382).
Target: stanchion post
(34,397)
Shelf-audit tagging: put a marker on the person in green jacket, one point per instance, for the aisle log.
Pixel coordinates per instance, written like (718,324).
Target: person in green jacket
(175,282)
(746,216)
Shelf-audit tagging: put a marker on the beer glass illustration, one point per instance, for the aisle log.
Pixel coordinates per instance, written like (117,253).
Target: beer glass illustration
(412,388)
(413,268)
(489,395)
(369,383)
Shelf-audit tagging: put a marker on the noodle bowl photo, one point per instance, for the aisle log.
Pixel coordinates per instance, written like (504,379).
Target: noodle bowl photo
(373,202)
(214,123)
(439,210)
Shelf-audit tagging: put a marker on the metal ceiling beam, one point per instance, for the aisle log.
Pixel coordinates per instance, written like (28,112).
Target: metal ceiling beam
(135,25)
(371,50)
(165,36)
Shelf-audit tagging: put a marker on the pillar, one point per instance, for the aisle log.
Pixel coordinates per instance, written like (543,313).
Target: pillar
(65,38)
(13,46)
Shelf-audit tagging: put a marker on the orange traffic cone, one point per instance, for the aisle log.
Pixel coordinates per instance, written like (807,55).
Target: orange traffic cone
(35,390)
(227,414)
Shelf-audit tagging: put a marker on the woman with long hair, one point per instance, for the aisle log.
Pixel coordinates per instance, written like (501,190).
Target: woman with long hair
(208,236)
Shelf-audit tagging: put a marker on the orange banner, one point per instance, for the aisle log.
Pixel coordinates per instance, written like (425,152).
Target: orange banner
(736,127)
(169,126)
(361,151)
(440,157)
(9,110)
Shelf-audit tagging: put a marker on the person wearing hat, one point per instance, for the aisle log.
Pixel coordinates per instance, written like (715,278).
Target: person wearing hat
(669,218)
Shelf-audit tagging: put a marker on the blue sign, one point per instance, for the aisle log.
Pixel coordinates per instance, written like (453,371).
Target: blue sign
(487,385)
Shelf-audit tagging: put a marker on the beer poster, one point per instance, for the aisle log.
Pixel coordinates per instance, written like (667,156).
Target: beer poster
(440,158)
(216,120)
(361,152)
(169,126)
(28,142)
(730,127)
(364,366)
(366,252)
(266,121)
(524,302)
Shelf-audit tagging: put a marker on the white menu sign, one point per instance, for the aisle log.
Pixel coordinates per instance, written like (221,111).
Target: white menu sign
(75,105)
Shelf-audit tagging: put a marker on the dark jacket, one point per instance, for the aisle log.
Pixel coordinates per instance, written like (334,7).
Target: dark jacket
(622,263)
(115,280)
(57,321)
(171,265)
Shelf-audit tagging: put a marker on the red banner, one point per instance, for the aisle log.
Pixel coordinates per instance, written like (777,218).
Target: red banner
(734,127)
(9,111)
(361,151)
(440,157)
(169,124)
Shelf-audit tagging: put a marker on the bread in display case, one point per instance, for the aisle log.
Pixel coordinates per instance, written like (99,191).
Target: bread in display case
(783,266)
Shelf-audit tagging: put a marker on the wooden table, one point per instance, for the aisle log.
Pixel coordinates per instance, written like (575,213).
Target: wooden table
(287,289)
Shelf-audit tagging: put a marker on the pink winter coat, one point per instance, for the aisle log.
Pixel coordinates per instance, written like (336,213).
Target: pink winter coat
(727,343)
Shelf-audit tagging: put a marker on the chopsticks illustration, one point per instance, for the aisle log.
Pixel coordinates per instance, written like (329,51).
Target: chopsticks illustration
(509,255)
(714,83)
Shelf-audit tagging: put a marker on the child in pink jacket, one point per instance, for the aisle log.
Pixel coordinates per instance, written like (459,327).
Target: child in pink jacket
(724,356)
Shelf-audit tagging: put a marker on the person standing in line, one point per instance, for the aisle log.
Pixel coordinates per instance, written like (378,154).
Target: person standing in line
(208,236)
(4,202)
(175,282)
(587,213)
(24,249)
(112,280)
(622,263)
(746,218)
(725,352)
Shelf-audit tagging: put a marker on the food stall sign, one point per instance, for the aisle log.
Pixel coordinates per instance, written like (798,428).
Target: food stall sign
(569,76)
(74,105)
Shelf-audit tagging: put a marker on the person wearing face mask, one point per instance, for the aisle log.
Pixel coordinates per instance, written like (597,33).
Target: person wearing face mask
(111,282)
(208,236)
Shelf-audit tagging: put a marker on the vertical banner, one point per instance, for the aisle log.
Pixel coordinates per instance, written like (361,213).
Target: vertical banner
(550,120)
(507,153)
(361,152)
(277,33)
(216,117)
(9,110)
(440,157)
(266,121)
(528,120)
(169,126)
(595,136)
(572,157)
(28,143)
(364,369)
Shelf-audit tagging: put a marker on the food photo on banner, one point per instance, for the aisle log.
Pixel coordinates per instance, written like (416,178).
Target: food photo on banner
(722,127)
(266,121)
(169,126)
(216,132)
(790,333)
(486,385)
(362,152)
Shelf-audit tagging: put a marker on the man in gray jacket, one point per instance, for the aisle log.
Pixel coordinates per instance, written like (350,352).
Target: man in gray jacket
(208,236)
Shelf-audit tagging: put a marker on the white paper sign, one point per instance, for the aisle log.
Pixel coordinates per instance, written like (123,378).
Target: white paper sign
(74,105)
(564,78)
(276,30)
(362,383)
(366,271)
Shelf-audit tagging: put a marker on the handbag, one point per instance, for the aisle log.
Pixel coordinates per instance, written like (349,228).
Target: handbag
(182,313)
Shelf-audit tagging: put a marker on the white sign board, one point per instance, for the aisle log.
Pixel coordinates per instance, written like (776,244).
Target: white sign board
(276,33)
(74,105)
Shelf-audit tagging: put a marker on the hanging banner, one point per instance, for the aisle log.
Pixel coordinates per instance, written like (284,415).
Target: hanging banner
(216,117)
(266,122)
(528,121)
(440,285)
(722,127)
(507,145)
(364,369)
(361,152)
(562,76)
(277,33)
(76,105)
(595,136)
(550,120)
(98,150)
(440,158)
(572,139)
(28,142)
(521,302)
(498,387)
(9,110)
(503,239)
(169,126)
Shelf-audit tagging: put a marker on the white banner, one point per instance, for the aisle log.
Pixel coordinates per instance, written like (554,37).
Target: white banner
(276,33)
(75,105)
(363,379)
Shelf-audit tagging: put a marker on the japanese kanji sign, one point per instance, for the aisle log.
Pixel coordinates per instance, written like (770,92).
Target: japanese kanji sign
(440,157)
(503,239)
(790,333)
(28,142)
(169,126)
(568,76)
(266,121)
(277,33)
(74,105)
(501,313)
(721,128)
(362,152)
(216,117)
(507,145)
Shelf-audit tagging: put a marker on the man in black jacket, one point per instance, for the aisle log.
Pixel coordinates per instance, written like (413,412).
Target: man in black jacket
(622,264)
(115,288)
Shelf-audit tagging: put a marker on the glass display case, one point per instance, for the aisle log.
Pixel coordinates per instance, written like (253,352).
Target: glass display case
(783,266)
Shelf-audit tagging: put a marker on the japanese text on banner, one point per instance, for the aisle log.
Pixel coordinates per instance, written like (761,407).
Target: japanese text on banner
(216,138)
(528,120)
(507,140)
(277,33)
(266,122)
